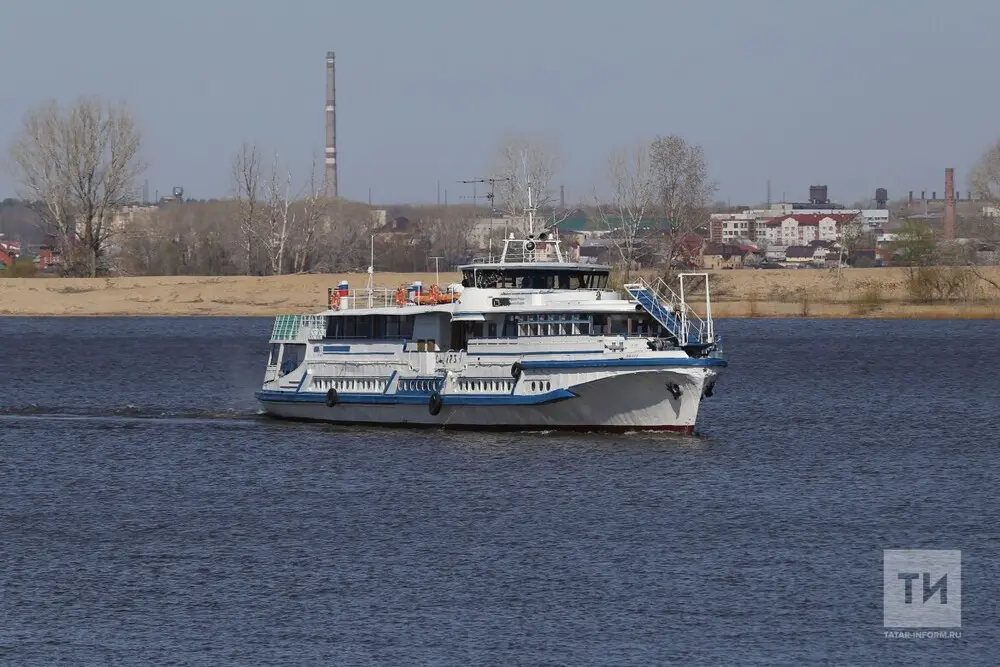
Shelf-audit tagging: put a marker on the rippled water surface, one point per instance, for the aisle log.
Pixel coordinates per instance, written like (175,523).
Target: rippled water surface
(150,515)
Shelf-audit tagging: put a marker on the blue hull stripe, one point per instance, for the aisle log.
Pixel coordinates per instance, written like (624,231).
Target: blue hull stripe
(524,354)
(680,362)
(270,396)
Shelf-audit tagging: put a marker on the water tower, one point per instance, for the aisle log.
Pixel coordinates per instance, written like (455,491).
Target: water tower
(817,195)
(178,192)
(882,196)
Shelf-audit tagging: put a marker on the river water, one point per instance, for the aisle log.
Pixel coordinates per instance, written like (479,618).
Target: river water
(150,515)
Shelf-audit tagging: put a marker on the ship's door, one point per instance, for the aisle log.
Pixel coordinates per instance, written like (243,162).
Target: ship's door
(459,335)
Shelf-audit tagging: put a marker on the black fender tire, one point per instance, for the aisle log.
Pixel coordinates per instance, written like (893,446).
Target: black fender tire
(331,398)
(515,370)
(435,403)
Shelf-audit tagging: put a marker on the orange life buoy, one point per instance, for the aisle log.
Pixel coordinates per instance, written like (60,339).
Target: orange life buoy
(401,296)
(335,301)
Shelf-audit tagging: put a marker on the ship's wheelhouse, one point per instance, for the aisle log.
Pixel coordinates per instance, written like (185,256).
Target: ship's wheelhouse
(558,276)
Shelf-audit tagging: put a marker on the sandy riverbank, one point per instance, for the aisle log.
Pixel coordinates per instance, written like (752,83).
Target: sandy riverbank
(746,293)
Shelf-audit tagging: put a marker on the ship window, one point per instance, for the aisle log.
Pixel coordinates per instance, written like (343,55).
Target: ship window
(275,352)
(364,327)
(491,330)
(350,327)
(406,326)
(334,327)
(392,326)
(532,386)
(293,355)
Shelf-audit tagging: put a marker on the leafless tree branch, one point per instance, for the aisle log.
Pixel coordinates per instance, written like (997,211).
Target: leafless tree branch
(81,163)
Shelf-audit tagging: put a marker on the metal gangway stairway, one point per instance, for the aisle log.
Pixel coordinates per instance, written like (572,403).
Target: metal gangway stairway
(671,310)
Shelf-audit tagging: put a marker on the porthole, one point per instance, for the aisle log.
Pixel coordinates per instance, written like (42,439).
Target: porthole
(532,386)
(548,386)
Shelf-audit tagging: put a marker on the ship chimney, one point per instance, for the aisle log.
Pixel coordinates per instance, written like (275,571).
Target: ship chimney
(331,126)
(949,203)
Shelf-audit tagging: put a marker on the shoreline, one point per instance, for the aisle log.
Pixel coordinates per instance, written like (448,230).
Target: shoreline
(785,294)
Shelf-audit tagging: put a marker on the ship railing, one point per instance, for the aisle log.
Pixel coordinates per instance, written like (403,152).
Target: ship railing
(379,297)
(691,327)
(524,250)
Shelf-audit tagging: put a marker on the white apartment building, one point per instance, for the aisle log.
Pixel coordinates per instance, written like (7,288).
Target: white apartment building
(801,228)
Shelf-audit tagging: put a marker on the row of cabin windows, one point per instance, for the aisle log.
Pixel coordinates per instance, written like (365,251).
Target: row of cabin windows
(370,326)
(394,327)
(575,324)
(528,279)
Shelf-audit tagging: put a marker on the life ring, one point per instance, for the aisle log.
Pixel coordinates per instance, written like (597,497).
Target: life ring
(331,398)
(435,403)
(401,296)
(515,370)
(335,301)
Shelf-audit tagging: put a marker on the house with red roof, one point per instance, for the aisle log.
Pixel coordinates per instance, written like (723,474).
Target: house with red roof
(799,229)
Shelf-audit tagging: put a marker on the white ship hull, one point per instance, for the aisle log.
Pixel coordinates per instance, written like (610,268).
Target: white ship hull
(623,401)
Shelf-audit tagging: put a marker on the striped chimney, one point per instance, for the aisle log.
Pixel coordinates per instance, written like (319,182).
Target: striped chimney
(330,157)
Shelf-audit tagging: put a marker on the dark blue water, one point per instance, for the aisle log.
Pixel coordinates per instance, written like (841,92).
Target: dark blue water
(149,515)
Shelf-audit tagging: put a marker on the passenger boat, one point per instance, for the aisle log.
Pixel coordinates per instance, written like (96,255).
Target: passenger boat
(527,340)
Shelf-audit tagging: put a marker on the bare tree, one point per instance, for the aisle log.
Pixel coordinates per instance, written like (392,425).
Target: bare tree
(278,216)
(633,194)
(984,180)
(522,161)
(683,188)
(81,164)
(448,233)
(246,183)
(315,210)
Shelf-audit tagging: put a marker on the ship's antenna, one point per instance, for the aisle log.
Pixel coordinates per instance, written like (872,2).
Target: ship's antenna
(491,197)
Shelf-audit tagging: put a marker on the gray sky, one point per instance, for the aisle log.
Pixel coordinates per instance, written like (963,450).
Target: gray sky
(856,94)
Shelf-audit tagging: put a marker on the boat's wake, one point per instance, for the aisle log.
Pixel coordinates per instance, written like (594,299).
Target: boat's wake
(127,413)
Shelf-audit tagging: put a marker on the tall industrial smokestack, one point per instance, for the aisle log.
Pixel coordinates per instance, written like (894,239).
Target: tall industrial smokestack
(331,126)
(949,203)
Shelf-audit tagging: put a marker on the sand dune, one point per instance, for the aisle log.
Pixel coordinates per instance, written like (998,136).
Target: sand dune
(745,293)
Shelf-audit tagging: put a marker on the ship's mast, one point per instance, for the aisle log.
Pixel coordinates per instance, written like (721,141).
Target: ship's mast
(531,212)
(371,277)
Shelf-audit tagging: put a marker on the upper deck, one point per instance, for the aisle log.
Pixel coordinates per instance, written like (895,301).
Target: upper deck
(534,264)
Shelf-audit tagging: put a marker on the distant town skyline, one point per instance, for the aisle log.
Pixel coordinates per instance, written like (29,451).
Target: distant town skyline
(852,95)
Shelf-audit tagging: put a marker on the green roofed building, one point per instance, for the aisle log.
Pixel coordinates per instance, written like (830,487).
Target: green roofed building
(581,223)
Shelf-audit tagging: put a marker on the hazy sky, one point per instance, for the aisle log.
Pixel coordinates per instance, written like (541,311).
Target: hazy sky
(856,94)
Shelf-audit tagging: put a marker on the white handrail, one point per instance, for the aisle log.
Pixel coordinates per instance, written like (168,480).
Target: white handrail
(689,318)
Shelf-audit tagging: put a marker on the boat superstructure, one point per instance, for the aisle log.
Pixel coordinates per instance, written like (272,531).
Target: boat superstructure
(527,340)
